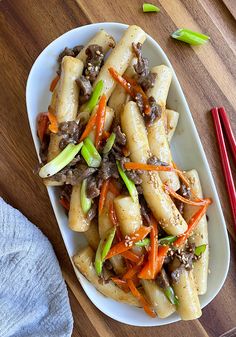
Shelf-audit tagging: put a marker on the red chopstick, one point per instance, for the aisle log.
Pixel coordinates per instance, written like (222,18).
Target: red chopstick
(228,130)
(224,156)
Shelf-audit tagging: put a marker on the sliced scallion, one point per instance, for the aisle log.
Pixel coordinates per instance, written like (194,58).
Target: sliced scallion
(94,97)
(167,240)
(63,159)
(86,202)
(90,153)
(143,243)
(110,142)
(128,182)
(188,36)
(200,250)
(103,249)
(170,294)
(150,8)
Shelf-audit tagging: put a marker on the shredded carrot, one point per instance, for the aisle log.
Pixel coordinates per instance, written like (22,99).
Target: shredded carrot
(65,203)
(162,252)
(125,151)
(131,272)
(120,283)
(42,125)
(100,121)
(103,195)
(147,167)
(53,126)
(131,256)
(149,270)
(141,299)
(127,243)
(192,224)
(89,127)
(113,187)
(132,90)
(112,214)
(54,83)
(197,202)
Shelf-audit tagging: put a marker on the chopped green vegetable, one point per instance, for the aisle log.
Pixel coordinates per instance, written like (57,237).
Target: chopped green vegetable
(150,8)
(103,249)
(200,250)
(170,294)
(142,243)
(188,36)
(128,182)
(94,97)
(63,159)
(86,202)
(110,142)
(167,240)
(90,153)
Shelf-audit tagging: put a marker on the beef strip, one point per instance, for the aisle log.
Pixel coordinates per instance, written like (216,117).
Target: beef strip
(108,169)
(133,175)
(68,52)
(153,160)
(85,88)
(70,132)
(94,62)
(155,112)
(120,136)
(43,151)
(66,192)
(145,212)
(185,192)
(75,175)
(92,212)
(175,275)
(162,279)
(92,189)
(148,81)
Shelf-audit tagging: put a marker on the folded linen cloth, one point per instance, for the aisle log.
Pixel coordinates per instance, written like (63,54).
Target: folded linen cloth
(33,296)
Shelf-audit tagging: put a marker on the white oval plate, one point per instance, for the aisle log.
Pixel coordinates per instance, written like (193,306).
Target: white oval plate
(187,151)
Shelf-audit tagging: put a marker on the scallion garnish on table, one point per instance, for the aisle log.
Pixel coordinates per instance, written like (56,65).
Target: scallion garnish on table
(190,37)
(147,7)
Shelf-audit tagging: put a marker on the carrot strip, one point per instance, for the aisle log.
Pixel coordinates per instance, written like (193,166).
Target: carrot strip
(100,120)
(114,188)
(42,125)
(192,224)
(53,126)
(149,270)
(147,167)
(54,83)
(90,125)
(65,203)
(141,299)
(112,214)
(127,243)
(120,283)
(131,256)
(132,90)
(198,202)
(103,195)
(162,252)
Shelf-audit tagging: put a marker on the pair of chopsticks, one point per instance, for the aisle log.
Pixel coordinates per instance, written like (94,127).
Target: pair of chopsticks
(220,116)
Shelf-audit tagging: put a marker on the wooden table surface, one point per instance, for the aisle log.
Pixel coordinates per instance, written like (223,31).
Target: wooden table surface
(208,77)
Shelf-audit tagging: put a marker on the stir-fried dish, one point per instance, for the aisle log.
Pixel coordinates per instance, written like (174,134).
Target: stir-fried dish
(105,142)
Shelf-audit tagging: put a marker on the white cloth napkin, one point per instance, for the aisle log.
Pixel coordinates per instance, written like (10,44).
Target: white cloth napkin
(33,296)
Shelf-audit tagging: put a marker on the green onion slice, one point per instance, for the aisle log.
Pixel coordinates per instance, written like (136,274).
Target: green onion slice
(103,249)
(90,153)
(200,250)
(188,36)
(150,8)
(167,240)
(128,182)
(86,202)
(63,159)
(143,243)
(170,294)
(94,97)
(110,142)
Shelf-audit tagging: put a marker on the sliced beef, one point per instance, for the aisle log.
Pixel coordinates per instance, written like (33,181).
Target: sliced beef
(108,169)
(70,132)
(185,192)
(155,111)
(68,52)
(120,136)
(92,212)
(141,67)
(75,175)
(175,275)
(133,175)
(66,192)
(92,189)
(162,279)
(85,88)
(94,61)
(43,151)
(153,160)
(145,212)
(147,81)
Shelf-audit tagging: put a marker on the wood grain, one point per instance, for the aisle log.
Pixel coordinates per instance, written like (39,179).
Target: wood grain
(208,77)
